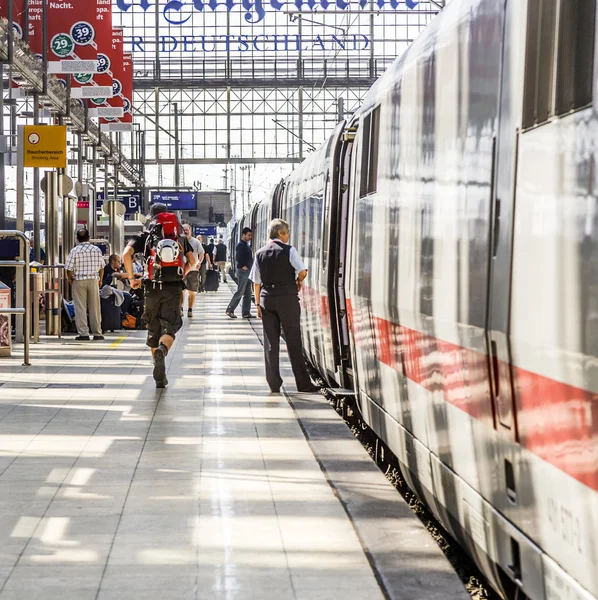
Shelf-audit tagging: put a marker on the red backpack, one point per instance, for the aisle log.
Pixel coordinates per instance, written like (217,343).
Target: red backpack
(164,249)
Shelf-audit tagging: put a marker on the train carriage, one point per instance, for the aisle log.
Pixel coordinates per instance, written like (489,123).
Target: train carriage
(450,230)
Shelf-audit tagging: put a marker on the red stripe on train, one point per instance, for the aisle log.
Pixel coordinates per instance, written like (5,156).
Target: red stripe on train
(557,422)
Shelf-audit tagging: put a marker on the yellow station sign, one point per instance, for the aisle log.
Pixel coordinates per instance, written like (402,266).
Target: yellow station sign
(45,146)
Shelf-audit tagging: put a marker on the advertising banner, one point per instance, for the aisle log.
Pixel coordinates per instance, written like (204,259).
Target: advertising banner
(18,14)
(125,90)
(111,108)
(98,85)
(75,28)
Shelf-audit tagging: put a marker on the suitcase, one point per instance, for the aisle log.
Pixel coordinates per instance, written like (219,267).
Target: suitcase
(212,281)
(111,318)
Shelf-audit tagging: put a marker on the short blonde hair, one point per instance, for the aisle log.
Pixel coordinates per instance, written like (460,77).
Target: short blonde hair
(276,227)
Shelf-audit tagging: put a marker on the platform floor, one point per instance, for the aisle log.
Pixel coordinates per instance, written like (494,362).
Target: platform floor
(212,488)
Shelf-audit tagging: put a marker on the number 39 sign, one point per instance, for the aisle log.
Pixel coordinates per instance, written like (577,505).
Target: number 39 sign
(78,30)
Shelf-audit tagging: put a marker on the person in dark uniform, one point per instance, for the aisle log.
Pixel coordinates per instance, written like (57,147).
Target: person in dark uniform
(243,262)
(277,274)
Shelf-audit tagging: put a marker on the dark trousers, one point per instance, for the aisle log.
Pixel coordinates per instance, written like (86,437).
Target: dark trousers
(202,276)
(243,293)
(283,312)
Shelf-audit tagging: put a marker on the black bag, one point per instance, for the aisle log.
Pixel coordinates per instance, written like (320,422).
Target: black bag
(111,319)
(212,281)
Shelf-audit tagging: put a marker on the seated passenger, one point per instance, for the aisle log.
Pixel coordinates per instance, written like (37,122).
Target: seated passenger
(113,275)
(113,272)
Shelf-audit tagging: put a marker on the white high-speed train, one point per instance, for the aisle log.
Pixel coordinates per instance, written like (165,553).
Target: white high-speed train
(450,229)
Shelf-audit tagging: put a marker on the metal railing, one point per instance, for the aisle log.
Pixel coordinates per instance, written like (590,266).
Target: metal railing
(101,242)
(53,286)
(22,263)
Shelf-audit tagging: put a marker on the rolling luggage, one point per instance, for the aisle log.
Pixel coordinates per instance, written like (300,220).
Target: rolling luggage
(111,318)
(212,280)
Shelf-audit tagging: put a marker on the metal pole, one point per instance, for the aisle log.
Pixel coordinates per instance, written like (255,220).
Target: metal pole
(106,179)
(118,140)
(144,198)
(177,174)
(3,156)
(21,284)
(300,124)
(92,195)
(45,46)
(36,199)
(26,302)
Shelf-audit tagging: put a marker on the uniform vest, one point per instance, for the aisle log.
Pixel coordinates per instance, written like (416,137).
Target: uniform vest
(220,253)
(277,272)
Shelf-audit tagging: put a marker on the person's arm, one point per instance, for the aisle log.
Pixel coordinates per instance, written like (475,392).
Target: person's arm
(257,290)
(128,265)
(202,255)
(299,266)
(68,267)
(191,260)
(300,279)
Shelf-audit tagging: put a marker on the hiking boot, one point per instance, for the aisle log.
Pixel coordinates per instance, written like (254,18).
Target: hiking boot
(160,366)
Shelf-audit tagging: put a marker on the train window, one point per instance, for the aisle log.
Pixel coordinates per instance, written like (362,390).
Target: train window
(559,58)
(369,155)
(365,154)
(575,55)
(539,61)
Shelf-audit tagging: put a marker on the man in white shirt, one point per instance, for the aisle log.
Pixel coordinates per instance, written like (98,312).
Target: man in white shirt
(198,252)
(85,269)
(278,274)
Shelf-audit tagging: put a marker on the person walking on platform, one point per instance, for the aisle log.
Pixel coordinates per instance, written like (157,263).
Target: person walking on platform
(206,264)
(277,274)
(198,252)
(220,258)
(85,270)
(164,247)
(243,263)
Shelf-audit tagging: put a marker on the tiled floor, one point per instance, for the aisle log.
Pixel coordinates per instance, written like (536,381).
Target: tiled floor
(208,489)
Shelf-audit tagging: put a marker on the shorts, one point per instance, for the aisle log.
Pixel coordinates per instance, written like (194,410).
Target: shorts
(162,314)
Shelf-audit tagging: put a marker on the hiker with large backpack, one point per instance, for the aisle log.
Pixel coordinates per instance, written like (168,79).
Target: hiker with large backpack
(163,245)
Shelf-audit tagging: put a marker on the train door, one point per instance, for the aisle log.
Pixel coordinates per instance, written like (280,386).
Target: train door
(339,272)
(505,147)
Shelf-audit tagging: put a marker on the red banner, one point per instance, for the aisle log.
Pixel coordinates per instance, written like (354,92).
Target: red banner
(112,107)
(75,30)
(126,93)
(18,14)
(99,84)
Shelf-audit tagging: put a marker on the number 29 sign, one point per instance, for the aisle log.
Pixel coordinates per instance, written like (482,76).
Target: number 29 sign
(77,31)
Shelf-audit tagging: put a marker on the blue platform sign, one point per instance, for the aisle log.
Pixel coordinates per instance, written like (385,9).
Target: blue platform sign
(209,231)
(176,200)
(131,200)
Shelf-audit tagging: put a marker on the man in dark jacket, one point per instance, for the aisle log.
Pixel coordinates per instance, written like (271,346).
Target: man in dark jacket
(278,273)
(220,258)
(243,262)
